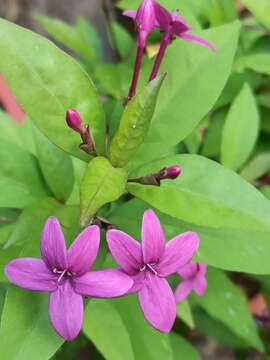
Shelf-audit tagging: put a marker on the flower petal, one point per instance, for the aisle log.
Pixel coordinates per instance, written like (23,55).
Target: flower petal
(138,282)
(200,285)
(198,40)
(31,274)
(178,252)
(103,283)
(130,13)
(66,311)
(83,251)
(153,242)
(125,250)
(189,270)
(52,245)
(163,17)
(183,290)
(157,302)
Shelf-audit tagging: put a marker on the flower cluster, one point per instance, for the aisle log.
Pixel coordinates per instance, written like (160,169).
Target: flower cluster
(143,268)
(152,15)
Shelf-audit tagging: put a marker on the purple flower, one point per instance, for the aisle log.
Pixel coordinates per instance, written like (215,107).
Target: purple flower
(150,263)
(64,274)
(193,275)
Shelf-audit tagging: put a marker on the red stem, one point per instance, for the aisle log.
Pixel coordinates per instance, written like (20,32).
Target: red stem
(163,46)
(133,86)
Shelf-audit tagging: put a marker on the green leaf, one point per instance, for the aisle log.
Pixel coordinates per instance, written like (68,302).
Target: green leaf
(225,302)
(212,139)
(113,78)
(240,131)
(182,349)
(106,329)
(219,11)
(135,123)
(258,62)
(260,8)
(184,312)
(101,184)
(25,331)
(56,166)
(257,167)
(216,330)
(66,35)
(206,194)
(122,38)
(20,176)
(195,80)
(132,335)
(47,82)
(24,226)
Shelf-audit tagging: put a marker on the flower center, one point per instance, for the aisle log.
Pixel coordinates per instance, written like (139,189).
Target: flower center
(62,273)
(149,267)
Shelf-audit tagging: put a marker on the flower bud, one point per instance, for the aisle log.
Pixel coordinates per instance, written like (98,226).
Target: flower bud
(73,120)
(145,20)
(172,172)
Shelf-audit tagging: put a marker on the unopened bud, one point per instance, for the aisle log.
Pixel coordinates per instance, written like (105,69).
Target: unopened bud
(172,172)
(74,121)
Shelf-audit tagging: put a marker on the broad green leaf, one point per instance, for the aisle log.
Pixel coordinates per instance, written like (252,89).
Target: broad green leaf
(105,328)
(206,194)
(134,335)
(225,302)
(184,312)
(258,62)
(182,349)
(101,184)
(260,8)
(66,35)
(248,250)
(135,123)
(257,167)
(265,190)
(196,77)
(56,166)
(20,177)
(47,82)
(240,130)
(25,331)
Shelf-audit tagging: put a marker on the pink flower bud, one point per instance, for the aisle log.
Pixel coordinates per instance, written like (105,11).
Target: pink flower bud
(73,120)
(145,20)
(173,172)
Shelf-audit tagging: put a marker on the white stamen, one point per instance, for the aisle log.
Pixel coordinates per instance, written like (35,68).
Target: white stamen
(62,274)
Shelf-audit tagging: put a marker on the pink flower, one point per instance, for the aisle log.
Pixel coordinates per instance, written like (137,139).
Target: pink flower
(65,275)
(149,263)
(193,275)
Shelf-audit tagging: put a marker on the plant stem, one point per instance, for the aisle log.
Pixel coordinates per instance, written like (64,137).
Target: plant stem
(133,86)
(163,46)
